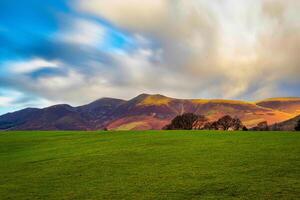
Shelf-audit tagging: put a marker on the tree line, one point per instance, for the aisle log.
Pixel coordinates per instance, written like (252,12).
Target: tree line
(191,121)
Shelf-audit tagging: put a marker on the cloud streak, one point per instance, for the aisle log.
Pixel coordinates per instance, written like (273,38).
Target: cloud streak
(30,66)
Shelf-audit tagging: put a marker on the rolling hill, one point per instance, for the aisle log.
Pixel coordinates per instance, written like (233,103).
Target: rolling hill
(146,112)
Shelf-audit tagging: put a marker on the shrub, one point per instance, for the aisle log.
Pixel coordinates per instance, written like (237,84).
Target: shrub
(297,128)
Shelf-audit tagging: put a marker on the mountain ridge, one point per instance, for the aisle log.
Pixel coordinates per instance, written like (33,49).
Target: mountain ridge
(146,111)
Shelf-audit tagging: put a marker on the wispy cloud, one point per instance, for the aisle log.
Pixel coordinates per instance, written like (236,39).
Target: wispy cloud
(30,65)
(84,32)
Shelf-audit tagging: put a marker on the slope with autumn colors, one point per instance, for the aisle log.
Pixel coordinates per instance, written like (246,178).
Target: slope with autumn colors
(154,111)
(289,105)
(146,112)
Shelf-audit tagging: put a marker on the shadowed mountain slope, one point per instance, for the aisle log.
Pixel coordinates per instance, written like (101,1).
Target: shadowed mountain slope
(288,125)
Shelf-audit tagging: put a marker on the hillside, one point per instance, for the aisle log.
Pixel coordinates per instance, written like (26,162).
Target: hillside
(146,112)
(289,105)
(288,125)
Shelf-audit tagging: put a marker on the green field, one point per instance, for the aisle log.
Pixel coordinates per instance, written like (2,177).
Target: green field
(150,165)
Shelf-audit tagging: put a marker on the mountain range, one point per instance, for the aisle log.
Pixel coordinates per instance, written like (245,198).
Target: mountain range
(146,112)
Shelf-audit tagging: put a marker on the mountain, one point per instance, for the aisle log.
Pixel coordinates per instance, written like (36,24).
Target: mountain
(146,112)
(99,113)
(58,117)
(154,111)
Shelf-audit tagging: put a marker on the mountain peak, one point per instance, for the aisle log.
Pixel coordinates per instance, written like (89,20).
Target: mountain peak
(107,99)
(152,99)
(103,102)
(145,95)
(141,96)
(59,106)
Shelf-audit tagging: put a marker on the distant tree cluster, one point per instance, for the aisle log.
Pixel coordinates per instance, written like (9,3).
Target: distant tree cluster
(226,123)
(189,121)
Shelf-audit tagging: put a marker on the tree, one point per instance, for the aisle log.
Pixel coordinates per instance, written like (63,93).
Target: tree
(245,128)
(200,123)
(224,122)
(227,123)
(190,121)
(297,128)
(182,122)
(262,126)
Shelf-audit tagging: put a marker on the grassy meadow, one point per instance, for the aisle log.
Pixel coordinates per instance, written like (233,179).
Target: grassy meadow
(149,165)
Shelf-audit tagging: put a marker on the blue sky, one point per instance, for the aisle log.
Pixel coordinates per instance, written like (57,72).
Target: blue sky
(76,51)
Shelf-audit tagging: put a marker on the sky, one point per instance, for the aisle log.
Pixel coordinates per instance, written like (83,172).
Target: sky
(77,51)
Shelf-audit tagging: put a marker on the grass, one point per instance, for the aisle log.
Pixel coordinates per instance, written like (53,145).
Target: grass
(131,125)
(149,165)
(155,100)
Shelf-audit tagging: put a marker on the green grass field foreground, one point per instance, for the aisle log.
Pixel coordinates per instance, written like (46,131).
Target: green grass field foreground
(150,165)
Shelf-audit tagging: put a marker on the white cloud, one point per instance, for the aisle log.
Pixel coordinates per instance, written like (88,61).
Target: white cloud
(230,48)
(84,32)
(32,65)
(12,100)
(6,101)
(131,13)
(60,82)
